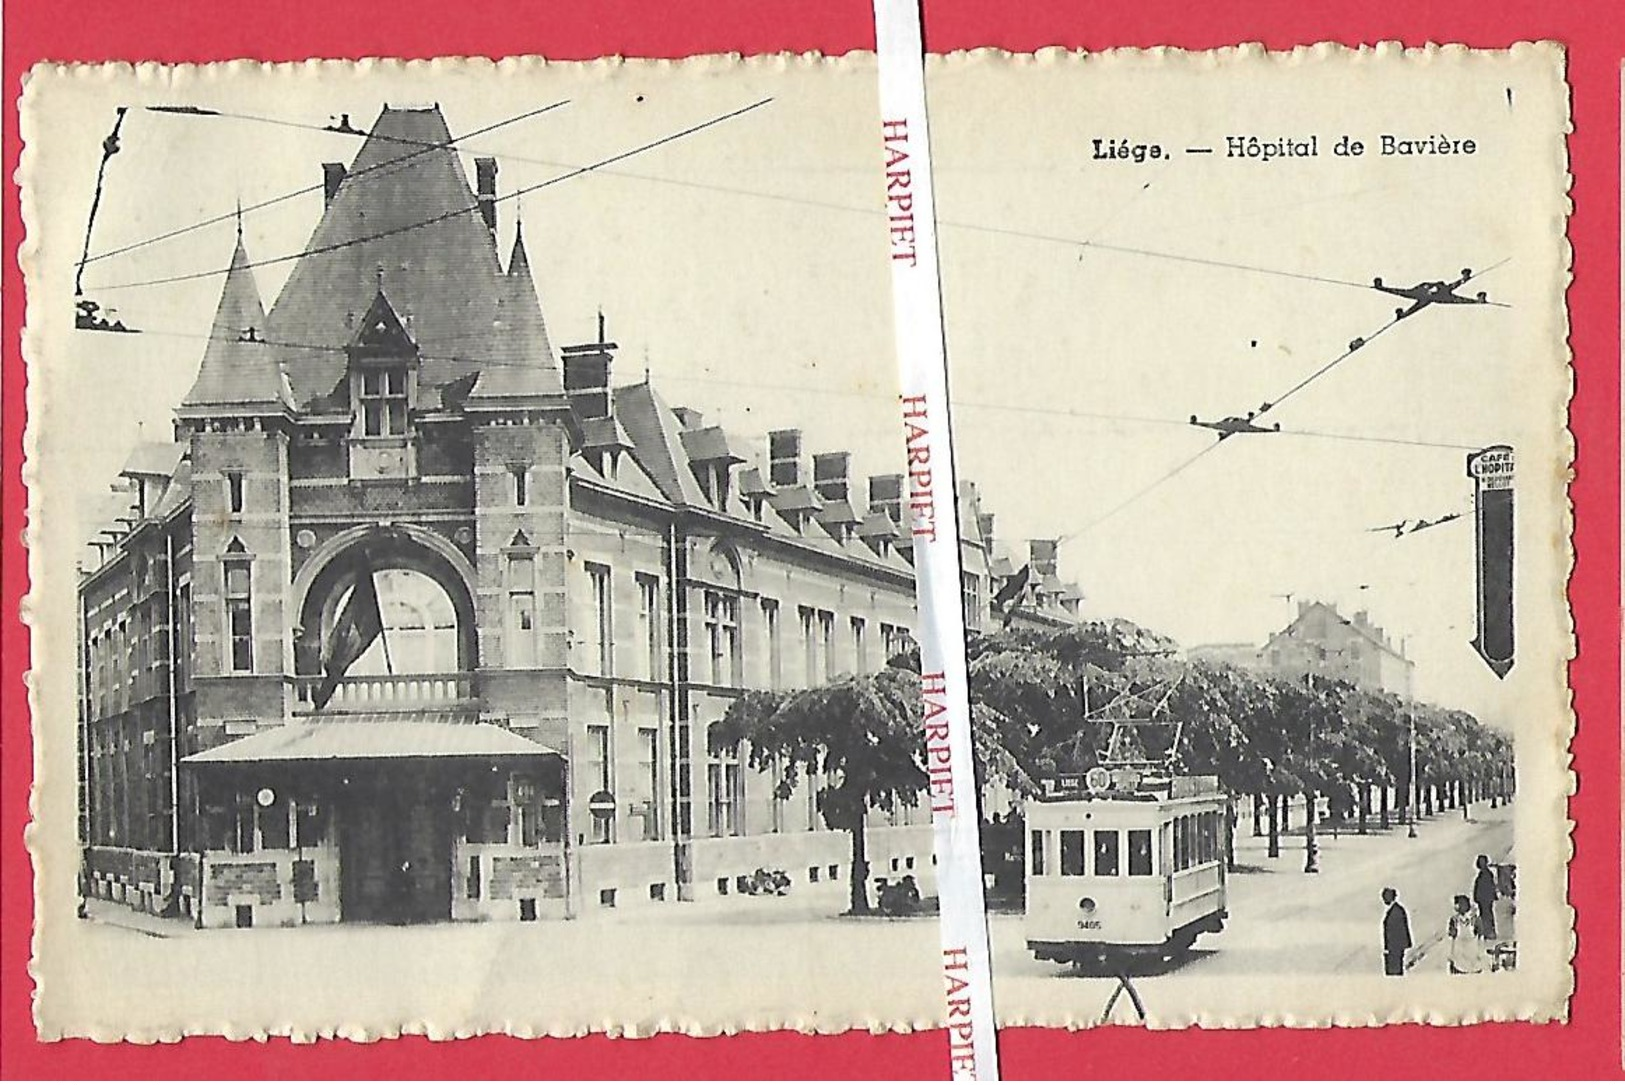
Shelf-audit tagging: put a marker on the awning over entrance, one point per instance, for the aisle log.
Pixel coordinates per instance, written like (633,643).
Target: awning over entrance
(374,736)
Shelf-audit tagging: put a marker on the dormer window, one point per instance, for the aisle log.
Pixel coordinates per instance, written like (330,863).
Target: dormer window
(382,402)
(383,378)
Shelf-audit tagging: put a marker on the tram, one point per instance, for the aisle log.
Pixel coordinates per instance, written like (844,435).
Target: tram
(1124,861)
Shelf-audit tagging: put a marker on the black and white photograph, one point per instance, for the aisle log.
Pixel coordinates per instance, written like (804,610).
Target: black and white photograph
(472,543)
(1268,367)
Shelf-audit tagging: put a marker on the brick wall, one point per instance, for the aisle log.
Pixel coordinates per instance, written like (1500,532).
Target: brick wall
(227,880)
(514,876)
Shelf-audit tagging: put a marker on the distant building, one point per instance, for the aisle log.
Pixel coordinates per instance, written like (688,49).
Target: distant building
(1236,655)
(1320,641)
(574,580)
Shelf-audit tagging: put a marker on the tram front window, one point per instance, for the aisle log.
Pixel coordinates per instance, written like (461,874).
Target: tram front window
(1106,857)
(1139,852)
(1071,853)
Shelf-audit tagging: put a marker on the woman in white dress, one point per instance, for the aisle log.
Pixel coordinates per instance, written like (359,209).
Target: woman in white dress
(1466,950)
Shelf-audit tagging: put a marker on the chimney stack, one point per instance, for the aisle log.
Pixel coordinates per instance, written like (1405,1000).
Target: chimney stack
(586,366)
(830,475)
(689,417)
(886,494)
(1042,554)
(784,457)
(485,186)
(333,174)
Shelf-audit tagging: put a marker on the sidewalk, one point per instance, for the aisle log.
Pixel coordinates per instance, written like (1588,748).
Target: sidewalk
(113,914)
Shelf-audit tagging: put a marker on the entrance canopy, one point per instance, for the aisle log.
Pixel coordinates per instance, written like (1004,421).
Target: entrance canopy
(364,736)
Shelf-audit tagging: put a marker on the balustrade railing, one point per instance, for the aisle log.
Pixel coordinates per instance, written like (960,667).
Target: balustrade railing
(373,692)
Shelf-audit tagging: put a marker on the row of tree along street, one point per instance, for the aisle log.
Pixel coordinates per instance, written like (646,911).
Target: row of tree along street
(1044,703)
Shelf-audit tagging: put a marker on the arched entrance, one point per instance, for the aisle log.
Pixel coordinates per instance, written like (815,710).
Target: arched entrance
(429,646)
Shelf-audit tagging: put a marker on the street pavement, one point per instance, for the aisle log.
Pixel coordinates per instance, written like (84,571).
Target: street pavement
(1292,938)
(1296,942)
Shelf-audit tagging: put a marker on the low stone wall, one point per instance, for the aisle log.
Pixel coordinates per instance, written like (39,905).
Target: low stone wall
(143,880)
(508,882)
(281,888)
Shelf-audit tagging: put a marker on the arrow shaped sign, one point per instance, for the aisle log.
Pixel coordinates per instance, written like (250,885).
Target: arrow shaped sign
(1491,472)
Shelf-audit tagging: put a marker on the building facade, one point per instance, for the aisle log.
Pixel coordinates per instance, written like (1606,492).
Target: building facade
(573,582)
(1322,642)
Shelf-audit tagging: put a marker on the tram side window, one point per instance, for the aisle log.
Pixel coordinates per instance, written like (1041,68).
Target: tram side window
(1179,844)
(1139,852)
(1038,867)
(1207,837)
(1106,853)
(1071,853)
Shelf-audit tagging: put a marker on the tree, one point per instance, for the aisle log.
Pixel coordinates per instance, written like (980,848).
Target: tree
(858,737)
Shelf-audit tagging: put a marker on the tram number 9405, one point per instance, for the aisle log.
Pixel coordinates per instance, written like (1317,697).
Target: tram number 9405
(1088,924)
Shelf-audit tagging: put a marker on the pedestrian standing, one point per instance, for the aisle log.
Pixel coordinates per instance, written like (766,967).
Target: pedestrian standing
(1485,895)
(1466,950)
(1396,934)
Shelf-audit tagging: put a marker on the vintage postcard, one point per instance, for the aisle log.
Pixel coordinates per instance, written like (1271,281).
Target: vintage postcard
(471,540)
(1259,365)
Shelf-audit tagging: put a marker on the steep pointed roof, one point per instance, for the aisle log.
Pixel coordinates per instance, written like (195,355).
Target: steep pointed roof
(239,370)
(518,360)
(404,218)
(654,429)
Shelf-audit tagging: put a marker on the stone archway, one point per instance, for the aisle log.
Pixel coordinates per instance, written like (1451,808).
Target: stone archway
(413,552)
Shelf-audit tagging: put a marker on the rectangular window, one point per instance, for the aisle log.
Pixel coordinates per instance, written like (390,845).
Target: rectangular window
(274,826)
(649,780)
(1181,845)
(242,827)
(722,637)
(521,611)
(1036,864)
(521,484)
(310,825)
(727,792)
(601,653)
(234,490)
(775,647)
(240,615)
(598,775)
(1139,852)
(970,593)
(1106,853)
(183,637)
(860,647)
(383,403)
(649,623)
(1072,853)
(809,643)
(826,645)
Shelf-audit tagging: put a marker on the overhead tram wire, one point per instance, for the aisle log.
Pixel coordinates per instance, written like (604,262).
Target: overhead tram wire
(731,190)
(1355,346)
(804,389)
(382,168)
(471,209)
(1269,405)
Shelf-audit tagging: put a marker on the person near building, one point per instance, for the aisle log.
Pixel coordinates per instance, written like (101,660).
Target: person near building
(1396,934)
(1485,895)
(1466,950)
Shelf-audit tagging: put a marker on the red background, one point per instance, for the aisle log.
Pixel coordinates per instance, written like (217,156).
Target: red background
(172,31)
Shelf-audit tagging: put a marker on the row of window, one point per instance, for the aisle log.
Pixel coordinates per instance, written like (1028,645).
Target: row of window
(1198,839)
(1190,840)
(125,659)
(721,637)
(1099,853)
